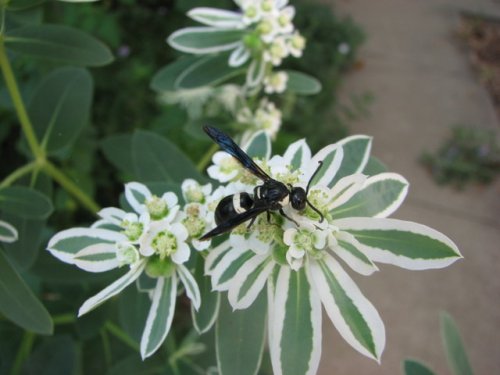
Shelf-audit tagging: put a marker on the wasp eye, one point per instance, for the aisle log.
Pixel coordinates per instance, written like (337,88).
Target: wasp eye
(298,198)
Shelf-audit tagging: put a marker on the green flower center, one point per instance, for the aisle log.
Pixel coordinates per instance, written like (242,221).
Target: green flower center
(252,42)
(193,223)
(267,5)
(158,267)
(132,229)
(126,254)
(164,244)
(298,42)
(283,20)
(318,199)
(157,208)
(251,11)
(268,232)
(228,165)
(195,195)
(265,27)
(304,240)
(276,50)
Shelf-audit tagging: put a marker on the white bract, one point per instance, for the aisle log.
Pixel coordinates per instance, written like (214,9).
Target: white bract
(154,241)
(297,259)
(262,33)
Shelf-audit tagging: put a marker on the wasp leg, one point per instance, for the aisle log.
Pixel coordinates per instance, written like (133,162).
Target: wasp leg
(269,217)
(251,222)
(289,218)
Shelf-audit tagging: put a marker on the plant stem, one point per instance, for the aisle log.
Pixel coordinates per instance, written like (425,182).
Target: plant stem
(202,164)
(23,352)
(122,336)
(17,100)
(64,318)
(70,186)
(106,347)
(18,173)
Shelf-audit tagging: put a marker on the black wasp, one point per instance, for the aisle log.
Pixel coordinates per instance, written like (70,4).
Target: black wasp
(272,195)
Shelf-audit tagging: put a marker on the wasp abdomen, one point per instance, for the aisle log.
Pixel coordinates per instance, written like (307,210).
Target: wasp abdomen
(231,206)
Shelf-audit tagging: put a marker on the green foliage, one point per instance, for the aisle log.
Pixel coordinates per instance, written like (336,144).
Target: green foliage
(470,155)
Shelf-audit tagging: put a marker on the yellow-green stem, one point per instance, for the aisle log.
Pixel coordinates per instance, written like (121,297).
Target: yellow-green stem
(17,100)
(18,173)
(23,352)
(119,334)
(67,318)
(70,186)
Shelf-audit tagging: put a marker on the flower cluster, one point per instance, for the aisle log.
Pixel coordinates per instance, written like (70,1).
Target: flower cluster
(153,240)
(262,34)
(266,118)
(296,255)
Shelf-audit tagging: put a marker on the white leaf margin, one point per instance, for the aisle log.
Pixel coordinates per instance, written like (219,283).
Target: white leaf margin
(191,286)
(12,234)
(201,51)
(220,18)
(82,260)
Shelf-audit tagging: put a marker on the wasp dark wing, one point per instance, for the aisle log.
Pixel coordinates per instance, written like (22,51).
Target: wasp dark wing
(228,145)
(235,221)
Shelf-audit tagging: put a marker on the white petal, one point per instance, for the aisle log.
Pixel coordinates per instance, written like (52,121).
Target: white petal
(112,214)
(182,253)
(289,235)
(112,289)
(137,194)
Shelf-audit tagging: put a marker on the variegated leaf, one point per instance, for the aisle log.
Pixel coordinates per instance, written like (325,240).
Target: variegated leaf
(205,317)
(99,257)
(217,17)
(348,249)
(402,243)
(298,154)
(205,40)
(357,321)
(223,274)
(192,290)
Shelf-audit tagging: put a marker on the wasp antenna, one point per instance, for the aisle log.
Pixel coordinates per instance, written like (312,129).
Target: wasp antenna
(317,211)
(312,177)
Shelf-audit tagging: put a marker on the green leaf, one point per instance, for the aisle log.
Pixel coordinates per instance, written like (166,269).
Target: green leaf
(302,83)
(116,149)
(208,71)
(374,166)
(259,146)
(60,107)
(19,304)
(157,159)
(205,317)
(240,337)
(165,79)
(204,40)
(55,356)
(133,308)
(58,43)
(25,250)
(25,202)
(380,196)
(402,243)
(295,324)
(17,5)
(412,367)
(455,349)
(356,153)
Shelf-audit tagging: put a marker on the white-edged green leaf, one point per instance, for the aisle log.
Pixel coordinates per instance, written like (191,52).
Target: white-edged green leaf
(295,347)
(455,349)
(205,40)
(302,83)
(357,321)
(104,224)
(348,250)
(412,367)
(99,257)
(219,18)
(356,154)
(223,274)
(112,289)
(205,317)
(165,79)
(207,71)
(136,195)
(19,304)
(258,146)
(64,245)
(160,315)
(7,232)
(374,166)
(215,255)
(345,188)
(240,337)
(239,56)
(59,43)
(248,283)
(402,243)
(331,156)
(25,202)
(112,214)
(190,284)
(298,154)
(255,72)
(380,196)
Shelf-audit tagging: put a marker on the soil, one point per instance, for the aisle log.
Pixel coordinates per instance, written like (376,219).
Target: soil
(482,36)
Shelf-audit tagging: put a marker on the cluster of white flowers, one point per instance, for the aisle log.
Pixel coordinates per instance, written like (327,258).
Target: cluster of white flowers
(266,118)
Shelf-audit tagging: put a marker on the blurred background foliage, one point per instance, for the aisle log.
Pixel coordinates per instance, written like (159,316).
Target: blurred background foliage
(123,102)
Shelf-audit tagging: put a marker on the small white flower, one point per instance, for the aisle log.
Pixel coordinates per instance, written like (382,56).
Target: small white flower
(276,51)
(134,226)
(275,82)
(285,18)
(192,191)
(344,48)
(142,200)
(251,12)
(296,44)
(194,218)
(301,241)
(167,241)
(268,29)
(126,254)
(224,168)
(268,118)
